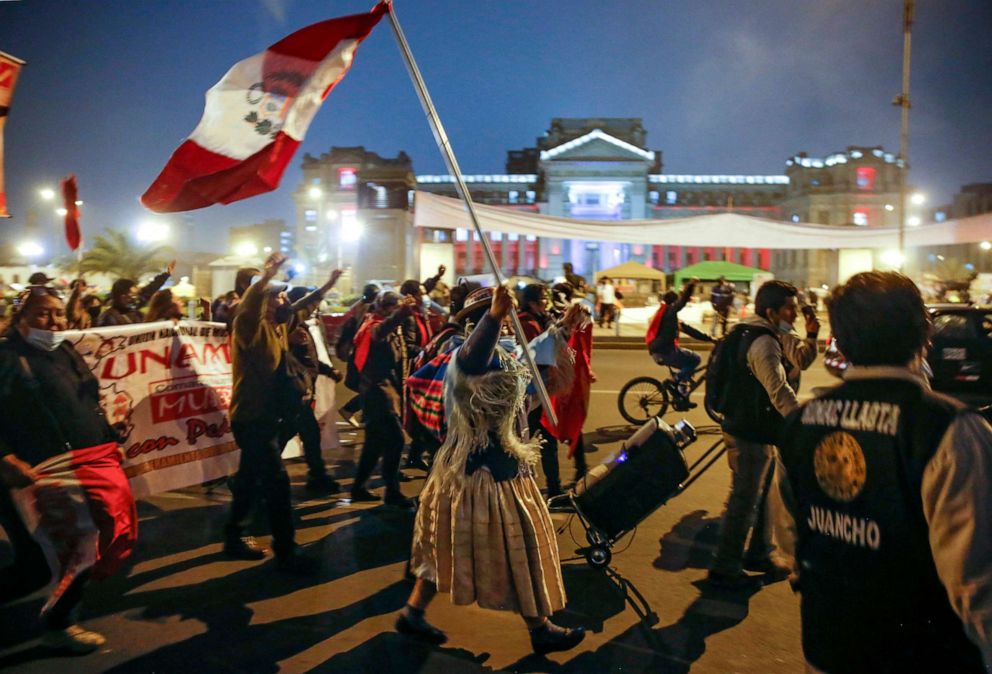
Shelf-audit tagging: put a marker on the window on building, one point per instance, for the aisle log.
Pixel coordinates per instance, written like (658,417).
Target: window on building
(531,196)
(461,235)
(513,237)
(653,196)
(310,215)
(496,236)
(347,178)
(795,217)
(859,216)
(939,216)
(531,237)
(866,178)
(315,181)
(513,196)
(671,197)
(311,228)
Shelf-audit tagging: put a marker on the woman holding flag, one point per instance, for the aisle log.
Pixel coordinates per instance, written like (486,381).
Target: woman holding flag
(483,532)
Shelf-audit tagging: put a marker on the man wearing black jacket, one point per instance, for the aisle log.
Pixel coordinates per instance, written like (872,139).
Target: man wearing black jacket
(384,369)
(665,349)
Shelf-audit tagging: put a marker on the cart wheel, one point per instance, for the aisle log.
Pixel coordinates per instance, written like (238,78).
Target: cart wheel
(642,399)
(598,557)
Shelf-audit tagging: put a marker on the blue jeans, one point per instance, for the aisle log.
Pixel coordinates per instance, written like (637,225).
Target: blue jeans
(685,360)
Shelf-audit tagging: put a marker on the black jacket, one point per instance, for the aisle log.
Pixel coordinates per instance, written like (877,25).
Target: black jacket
(51,402)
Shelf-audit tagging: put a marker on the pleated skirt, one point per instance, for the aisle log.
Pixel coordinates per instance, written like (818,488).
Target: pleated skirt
(490,543)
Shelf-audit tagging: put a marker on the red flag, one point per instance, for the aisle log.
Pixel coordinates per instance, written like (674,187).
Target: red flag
(10,68)
(572,406)
(70,195)
(81,512)
(257,115)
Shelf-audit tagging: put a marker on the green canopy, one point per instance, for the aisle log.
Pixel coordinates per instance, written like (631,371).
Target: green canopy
(711,270)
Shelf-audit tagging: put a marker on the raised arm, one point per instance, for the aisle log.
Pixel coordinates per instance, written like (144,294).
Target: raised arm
(475,354)
(155,285)
(250,309)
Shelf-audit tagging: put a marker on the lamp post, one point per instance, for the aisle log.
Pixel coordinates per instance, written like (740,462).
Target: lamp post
(902,100)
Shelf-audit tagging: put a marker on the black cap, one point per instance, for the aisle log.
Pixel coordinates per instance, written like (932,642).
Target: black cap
(39,278)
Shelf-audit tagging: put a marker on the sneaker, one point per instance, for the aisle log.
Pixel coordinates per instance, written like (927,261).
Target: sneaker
(243,547)
(349,417)
(730,581)
(297,563)
(363,496)
(551,638)
(420,629)
(73,639)
(323,484)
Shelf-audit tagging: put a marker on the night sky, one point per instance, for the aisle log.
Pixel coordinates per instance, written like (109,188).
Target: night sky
(723,86)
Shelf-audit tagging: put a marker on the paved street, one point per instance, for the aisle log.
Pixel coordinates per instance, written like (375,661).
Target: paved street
(181,606)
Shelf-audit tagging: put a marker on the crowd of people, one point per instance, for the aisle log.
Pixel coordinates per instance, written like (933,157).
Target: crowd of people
(873,499)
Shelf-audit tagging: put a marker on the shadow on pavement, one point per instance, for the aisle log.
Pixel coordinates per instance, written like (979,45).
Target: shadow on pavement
(394,653)
(690,544)
(231,644)
(671,649)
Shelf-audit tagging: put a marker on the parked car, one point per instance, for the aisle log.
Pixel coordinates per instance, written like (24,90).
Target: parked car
(961,351)
(959,361)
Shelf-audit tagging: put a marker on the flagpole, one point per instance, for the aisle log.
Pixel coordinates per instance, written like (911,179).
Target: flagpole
(449,157)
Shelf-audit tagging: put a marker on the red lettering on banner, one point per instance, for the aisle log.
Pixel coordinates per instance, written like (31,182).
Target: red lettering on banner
(151,445)
(197,428)
(112,372)
(184,403)
(138,361)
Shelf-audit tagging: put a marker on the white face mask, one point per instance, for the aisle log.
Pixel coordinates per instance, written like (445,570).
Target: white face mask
(46,340)
(425,302)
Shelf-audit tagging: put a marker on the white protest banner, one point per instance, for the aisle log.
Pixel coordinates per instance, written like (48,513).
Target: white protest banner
(168,385)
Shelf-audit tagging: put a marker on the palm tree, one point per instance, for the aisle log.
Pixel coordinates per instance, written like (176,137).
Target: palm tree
(114,254)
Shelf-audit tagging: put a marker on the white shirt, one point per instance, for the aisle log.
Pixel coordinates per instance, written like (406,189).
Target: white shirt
(606,294)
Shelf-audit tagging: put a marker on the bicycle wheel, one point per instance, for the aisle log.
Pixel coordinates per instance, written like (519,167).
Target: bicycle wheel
(642,398)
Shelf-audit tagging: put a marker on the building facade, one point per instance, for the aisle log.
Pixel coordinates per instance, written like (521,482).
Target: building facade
(354,207)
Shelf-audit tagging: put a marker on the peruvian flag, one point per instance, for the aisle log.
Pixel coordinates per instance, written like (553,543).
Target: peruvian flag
(82,514)
(257,115)
(70,197)
(572,406)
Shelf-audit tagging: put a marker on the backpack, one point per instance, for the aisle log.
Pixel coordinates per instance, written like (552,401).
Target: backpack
(728,353)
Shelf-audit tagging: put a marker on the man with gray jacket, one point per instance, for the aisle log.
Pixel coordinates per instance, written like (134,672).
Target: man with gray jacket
(759,397)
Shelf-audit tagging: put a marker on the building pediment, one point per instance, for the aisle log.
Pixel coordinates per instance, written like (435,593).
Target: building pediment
(597,144)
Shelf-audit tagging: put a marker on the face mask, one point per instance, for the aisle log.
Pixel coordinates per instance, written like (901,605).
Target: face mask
(425,301)
(94,312)
(784,326)
(46,340)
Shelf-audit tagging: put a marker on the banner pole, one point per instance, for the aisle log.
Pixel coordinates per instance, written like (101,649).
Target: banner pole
(449,157)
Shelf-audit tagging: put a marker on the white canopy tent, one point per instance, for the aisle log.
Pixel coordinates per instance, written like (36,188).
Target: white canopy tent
(722,230)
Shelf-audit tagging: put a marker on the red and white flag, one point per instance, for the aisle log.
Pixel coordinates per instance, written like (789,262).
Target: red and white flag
(257,115)
(10,68)
(70,202)
(82,514)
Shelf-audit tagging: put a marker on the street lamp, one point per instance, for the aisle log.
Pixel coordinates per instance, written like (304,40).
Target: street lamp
(315,193)
(985,245)
(893,258)
(150,231)
(46,193)
(30,250)
(61,212)
(913,221)
(246,249)
(917,199)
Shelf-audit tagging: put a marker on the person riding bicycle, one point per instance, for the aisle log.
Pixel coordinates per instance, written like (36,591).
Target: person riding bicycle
(663,339)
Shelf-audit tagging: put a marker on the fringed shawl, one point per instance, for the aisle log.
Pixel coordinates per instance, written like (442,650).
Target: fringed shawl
(485,408)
